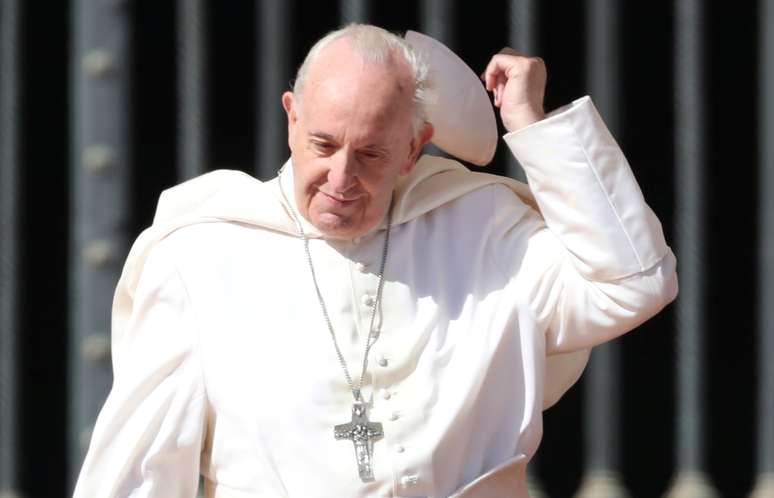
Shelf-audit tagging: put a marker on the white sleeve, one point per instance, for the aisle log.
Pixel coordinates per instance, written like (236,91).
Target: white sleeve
(148,436)
(596,264)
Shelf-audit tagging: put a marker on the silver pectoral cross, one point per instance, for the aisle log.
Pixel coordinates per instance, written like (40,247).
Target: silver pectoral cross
(362,433)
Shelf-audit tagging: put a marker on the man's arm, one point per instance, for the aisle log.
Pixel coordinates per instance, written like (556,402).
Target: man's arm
(595,265)
(600,266)
(148,437)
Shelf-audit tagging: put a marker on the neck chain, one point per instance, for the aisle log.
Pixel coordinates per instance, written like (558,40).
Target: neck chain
(360,430)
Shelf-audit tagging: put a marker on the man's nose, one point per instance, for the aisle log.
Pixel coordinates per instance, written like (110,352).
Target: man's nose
(343,172)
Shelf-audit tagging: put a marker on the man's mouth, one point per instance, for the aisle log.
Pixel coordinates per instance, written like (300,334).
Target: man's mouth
(338,200)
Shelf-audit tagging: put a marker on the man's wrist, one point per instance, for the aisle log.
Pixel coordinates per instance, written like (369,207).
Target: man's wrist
(521,118)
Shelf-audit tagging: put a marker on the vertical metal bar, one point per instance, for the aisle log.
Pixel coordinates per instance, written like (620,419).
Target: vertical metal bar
(524,26)
(192,136)
(439,17)
(274,78)
(764,486)
(99,203)
(357,11)
(10,203)
(602,427)
(603,41)
(192,84)
(523,36)
(690,207)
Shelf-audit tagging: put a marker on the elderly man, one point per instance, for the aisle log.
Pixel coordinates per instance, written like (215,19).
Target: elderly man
(373,323)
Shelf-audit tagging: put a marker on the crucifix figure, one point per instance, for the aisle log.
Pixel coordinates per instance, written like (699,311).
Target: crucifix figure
(361,432)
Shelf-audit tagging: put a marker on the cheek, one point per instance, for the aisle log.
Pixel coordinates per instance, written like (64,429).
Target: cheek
(380,186)
(309,173)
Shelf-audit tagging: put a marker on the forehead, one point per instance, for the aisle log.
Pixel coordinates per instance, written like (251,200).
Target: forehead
(343,89)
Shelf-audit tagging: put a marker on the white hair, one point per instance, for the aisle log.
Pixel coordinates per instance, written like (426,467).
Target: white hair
(376,45)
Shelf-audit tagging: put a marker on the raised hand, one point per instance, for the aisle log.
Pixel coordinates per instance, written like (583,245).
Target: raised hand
(518,82)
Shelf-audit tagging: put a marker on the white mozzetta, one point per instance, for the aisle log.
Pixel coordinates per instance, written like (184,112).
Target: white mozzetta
(224,364)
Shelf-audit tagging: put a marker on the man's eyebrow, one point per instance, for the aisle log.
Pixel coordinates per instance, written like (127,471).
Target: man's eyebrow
(376,148)
(322,135)
(330,138)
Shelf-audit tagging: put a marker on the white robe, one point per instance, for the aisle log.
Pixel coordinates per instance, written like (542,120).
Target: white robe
(223,363)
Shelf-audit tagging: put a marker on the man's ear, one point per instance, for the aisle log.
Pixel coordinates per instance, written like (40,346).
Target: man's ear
(289,105)
(425,135)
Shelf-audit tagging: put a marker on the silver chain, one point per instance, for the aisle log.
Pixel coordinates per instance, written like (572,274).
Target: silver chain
(372,334)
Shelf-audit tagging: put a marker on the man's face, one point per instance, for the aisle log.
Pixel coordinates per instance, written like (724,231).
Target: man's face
(350,138)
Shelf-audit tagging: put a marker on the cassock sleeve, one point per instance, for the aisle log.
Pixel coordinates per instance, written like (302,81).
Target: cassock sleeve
(595,264)
(148,436)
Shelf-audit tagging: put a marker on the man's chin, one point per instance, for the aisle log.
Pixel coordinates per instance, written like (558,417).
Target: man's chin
(336,226)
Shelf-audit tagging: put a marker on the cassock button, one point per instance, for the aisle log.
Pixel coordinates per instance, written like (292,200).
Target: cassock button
(367,300)
(400,449)
(386,394)
(394,417)
(382,361)
(409,480)
(361,267)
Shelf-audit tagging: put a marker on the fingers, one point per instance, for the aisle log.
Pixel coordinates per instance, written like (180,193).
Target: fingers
(506,64)
(512,51)
(499,90)
(518,83)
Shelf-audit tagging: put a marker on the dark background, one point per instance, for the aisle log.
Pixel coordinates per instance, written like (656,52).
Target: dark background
(647,44)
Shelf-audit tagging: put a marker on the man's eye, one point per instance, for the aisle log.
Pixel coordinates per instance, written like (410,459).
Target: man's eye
(323,147)
(370,155)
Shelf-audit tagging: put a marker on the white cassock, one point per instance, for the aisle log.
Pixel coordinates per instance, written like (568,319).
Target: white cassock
(224,365)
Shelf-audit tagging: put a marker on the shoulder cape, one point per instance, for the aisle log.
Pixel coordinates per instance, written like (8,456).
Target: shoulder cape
(234,196)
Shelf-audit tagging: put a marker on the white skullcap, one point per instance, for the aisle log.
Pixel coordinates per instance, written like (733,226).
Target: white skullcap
(457,104)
